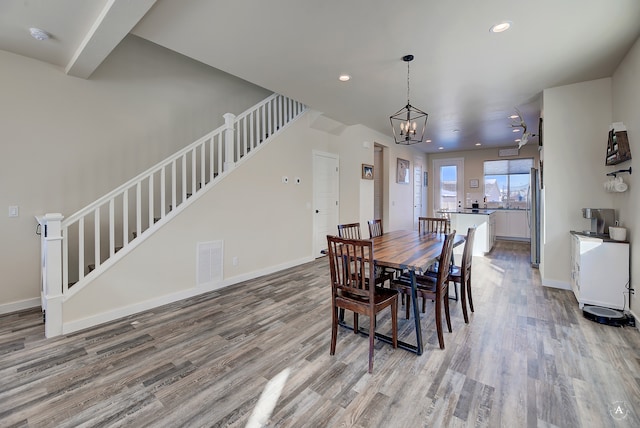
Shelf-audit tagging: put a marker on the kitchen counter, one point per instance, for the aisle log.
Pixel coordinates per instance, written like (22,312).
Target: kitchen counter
(481,211)
(604,236)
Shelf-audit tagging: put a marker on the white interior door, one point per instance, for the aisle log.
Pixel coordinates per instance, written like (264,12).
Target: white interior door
(325,198)
(448,184)
(417,193)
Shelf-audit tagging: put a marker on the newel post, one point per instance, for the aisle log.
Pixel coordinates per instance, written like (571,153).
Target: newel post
(229,158)
(52,273)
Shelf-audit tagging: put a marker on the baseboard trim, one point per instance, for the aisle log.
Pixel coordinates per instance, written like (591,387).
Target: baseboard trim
(21,305)
(552,283)
(95,320)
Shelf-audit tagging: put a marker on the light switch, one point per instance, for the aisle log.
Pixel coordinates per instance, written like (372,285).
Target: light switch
(13,211)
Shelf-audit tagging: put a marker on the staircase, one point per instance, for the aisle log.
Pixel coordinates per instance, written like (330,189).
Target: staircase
(77,249)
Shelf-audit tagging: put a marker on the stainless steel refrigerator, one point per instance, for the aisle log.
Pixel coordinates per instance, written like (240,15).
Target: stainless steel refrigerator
(533,215)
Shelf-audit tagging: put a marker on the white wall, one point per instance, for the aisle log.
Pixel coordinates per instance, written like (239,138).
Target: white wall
(576,124)
(66,141)
(626,109)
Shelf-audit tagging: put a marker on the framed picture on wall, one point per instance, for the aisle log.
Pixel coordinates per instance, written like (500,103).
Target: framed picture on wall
(474,183)
(402,172)
(367,172)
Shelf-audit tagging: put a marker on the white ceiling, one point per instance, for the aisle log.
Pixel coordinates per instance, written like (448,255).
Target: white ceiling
(468,79)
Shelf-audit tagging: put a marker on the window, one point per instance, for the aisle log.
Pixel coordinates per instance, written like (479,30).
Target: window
(506,182)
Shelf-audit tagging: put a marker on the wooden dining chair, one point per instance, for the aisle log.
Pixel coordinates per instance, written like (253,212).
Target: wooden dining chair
(436,289)
(351,263)
(434,225)
(461,275)
(384,274)
(375,228)
(349,231)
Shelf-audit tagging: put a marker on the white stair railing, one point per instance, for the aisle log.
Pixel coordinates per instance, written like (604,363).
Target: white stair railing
(125,216)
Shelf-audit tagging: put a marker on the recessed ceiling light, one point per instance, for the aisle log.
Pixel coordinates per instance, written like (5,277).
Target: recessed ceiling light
(517,140)
(515,130)
(456,130)
(344,78)
(499,28)
(478,144)
(39,34)
(440,148)
(513,116)
(427,141)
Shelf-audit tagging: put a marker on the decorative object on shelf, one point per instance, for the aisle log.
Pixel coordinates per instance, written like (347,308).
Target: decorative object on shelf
(367,171)
(615,185)
(617,145)
(474,183)
(409,123)
(402,171)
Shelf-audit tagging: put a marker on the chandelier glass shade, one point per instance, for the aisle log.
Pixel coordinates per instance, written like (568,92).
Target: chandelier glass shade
(409,123)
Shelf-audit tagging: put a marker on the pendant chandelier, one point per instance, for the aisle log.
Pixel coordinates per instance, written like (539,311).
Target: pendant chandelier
(409,123)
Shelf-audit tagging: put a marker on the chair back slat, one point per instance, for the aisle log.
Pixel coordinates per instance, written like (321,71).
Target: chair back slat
(434,225)
(467,254)
(349,231)
(375,228)
(351,266)
(444,262)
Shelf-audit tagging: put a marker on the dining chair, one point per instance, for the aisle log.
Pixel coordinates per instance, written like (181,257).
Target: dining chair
(461,275)
(436,289)
(434,225)
(349,231)
(375,229)
(351,264)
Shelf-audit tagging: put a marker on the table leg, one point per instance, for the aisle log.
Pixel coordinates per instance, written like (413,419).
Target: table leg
(416,312)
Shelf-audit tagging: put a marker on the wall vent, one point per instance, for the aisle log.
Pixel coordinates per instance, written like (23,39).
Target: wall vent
(509,152)
(209,263)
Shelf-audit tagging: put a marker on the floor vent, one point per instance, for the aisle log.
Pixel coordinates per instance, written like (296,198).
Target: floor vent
(209,263)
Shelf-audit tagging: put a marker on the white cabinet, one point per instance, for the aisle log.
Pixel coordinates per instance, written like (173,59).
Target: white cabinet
(599,271)
(513,224)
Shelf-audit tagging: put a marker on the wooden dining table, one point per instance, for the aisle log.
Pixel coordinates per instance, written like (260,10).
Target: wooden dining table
(415,252)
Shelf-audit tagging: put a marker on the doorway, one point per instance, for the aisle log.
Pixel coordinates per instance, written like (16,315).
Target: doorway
(326,182)
(448,184)
(417,192)
(378,182)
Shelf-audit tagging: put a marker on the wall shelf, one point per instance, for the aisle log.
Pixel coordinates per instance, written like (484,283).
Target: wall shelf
(615,173)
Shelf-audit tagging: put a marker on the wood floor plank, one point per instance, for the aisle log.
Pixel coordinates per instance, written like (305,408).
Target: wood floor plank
(527,358)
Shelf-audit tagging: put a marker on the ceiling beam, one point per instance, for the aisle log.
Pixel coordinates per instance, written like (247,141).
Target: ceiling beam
(115,21)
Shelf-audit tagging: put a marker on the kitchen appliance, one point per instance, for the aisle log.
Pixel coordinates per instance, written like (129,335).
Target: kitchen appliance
(533,216)
(601,219)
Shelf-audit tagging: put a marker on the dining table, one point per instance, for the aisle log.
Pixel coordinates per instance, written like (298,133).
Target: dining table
(413,252)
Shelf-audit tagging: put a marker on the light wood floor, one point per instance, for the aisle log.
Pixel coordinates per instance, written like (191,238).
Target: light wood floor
(527,358)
